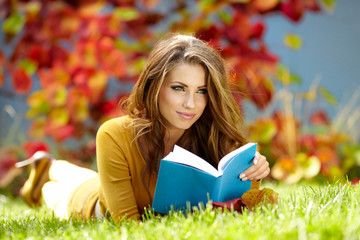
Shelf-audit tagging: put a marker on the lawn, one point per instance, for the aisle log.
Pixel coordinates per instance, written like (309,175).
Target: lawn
(328,211)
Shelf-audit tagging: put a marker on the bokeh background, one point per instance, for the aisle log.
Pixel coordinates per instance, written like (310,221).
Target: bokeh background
(293,66)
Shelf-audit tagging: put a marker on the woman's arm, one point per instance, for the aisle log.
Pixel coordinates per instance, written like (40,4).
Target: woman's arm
(114,174)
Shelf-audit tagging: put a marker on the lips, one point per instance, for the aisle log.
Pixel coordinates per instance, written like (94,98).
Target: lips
(187,116)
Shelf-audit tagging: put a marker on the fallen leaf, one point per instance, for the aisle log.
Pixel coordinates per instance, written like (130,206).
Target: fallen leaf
(255,197)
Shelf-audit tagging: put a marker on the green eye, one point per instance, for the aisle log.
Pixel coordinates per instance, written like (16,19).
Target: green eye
(178,88)
(203,91)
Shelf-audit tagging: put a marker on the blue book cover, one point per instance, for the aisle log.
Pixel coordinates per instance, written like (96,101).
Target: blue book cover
(186,180)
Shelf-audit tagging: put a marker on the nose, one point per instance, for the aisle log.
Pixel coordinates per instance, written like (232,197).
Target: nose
(189,101)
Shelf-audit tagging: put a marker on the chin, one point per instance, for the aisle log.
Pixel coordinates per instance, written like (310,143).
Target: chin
(186,126)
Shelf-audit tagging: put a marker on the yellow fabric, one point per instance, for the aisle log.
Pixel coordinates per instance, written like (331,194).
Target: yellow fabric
(120,167)
(65,179)
(82,200)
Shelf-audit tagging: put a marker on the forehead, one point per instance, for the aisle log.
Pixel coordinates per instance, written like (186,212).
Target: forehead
(188,74)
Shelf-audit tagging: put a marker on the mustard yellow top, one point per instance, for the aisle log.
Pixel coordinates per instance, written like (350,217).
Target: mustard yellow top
(120,167)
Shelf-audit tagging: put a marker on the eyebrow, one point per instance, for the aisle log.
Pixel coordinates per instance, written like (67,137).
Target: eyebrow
(183,84)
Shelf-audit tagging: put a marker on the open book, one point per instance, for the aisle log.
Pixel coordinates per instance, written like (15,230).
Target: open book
(186,180)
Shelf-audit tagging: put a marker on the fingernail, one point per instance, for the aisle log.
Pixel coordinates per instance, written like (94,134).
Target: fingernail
(242,175)
(244,179)
(255,161)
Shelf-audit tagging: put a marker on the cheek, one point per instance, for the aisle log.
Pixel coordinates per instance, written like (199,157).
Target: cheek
(166,102)
(168,98)
(162,104)
(202,103)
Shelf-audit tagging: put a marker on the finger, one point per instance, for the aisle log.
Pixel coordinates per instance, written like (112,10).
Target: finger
(255,170)
(260,175)
(263,175)
(258,172)
(260,160)
(257,156)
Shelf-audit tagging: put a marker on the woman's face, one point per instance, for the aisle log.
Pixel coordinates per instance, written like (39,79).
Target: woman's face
(183,96)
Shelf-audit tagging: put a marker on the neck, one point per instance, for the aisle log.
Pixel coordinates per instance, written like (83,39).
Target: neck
(170,139)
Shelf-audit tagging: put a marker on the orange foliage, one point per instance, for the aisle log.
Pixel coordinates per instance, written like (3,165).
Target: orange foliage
(76,48)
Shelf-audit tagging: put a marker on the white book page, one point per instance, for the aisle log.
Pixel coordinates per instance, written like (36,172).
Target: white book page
(182,156)
(225,160)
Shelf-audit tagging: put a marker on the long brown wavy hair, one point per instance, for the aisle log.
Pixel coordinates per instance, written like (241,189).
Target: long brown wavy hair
(217,132)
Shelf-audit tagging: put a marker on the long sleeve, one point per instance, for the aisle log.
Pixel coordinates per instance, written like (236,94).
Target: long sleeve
(120,167)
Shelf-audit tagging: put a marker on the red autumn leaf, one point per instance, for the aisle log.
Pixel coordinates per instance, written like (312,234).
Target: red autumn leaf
(59,55)
(21,81)
(319,118)
(228,52)
(61,23)
(95,26)
(210,35)
(31,27)
(311,5)
(111,59)
(46,78)
(80,78)
(40,55)
(308,143)
(53,77)
(239,98)
(292,9)
(260,91)
(140,27)
(60,133)
(32,147)
(108,107)
(264,55)
(115,63)
(86,30)
(105,45)
(257,30)
(84,55)
(109,25)
(239,31)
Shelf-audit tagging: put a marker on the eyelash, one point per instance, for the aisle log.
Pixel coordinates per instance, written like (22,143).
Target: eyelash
(180,88)
(203,91)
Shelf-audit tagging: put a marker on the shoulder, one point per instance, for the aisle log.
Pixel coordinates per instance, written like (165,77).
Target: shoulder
(118,122)
(120,126)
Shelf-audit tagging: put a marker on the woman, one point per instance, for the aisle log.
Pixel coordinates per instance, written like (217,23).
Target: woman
(182,97)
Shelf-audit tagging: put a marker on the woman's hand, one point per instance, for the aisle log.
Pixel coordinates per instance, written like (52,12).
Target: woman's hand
(258,170)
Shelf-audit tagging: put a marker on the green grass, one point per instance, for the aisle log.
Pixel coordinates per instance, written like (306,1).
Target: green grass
(330,211)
